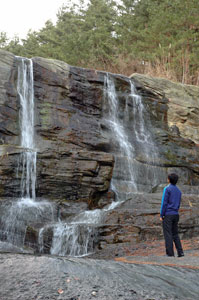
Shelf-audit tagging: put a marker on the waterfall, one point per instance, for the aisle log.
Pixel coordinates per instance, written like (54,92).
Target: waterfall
(141,127)
(73,239)
(140,130)
(77,237)
(117,126)
(135,152)
(26,211)
(147,154)
(135,155)
(28,158)
(20,214)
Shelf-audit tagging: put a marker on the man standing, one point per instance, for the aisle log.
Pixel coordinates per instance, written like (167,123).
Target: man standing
(171,199)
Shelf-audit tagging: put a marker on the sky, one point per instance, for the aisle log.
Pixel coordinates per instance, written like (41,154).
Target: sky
(18,16)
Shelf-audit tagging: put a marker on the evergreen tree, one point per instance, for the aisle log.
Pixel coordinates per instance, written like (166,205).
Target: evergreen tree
(98,33)
(163,32)
(15,46)
(161,36)
(68,33)
(3,39)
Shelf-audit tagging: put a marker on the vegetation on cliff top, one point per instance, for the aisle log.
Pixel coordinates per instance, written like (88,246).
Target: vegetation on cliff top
(158,37)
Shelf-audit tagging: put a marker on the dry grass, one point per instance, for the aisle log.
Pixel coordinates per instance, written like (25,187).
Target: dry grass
(126,65)
(160,70)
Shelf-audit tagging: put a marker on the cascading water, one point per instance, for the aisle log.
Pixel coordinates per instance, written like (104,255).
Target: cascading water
(142,134)
(28,160)
(135,152)
(25,211)
(147,156)
(130,137)
(77,237)
(141,129)
(125,148)
(73,239)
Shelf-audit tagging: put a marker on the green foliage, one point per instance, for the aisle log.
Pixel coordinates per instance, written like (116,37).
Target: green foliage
(15,46)
(98,31)
(3,40)
(85,36)
(114,35)
(165,31)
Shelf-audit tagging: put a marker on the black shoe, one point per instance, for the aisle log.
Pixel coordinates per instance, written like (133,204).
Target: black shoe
(181,254)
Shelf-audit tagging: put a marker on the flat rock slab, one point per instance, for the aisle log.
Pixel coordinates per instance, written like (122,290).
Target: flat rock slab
(28,277)
(190,262)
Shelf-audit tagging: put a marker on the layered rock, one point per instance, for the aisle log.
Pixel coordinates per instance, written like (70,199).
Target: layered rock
(183,104)
(176,142)
(71,163)
(137,219)
(76,148)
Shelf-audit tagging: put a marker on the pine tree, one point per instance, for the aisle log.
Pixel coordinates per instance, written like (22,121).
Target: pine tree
(157,36)
(99,32)
(3,39)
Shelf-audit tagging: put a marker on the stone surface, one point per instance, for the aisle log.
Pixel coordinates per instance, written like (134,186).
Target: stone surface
(67,132)
(76,151)
(41,277)
(183,103)
(137,220)
(9,105)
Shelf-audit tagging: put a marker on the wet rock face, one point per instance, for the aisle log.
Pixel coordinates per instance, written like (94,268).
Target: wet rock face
(175,136)
(71,161)
(8,99)
(75,148)
(182,103)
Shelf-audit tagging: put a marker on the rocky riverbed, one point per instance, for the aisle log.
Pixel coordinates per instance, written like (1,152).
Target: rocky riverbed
(29,277)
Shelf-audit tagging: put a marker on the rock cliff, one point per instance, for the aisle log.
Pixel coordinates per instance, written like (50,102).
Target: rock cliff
(76,152)
(71,163)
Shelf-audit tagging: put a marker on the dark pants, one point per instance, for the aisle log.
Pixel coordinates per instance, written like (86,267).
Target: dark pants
(170,230)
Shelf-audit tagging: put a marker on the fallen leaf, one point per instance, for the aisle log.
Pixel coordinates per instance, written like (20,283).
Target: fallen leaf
(60,291)
(190,204)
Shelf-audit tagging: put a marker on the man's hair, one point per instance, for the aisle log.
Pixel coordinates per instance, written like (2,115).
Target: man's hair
(173,178)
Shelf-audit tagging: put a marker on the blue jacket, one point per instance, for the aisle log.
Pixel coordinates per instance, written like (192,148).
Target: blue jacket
(171,199)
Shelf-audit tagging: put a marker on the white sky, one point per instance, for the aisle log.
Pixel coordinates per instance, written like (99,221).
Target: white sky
(18,16)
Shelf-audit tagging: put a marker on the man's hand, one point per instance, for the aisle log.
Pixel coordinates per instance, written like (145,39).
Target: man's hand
(161,219)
